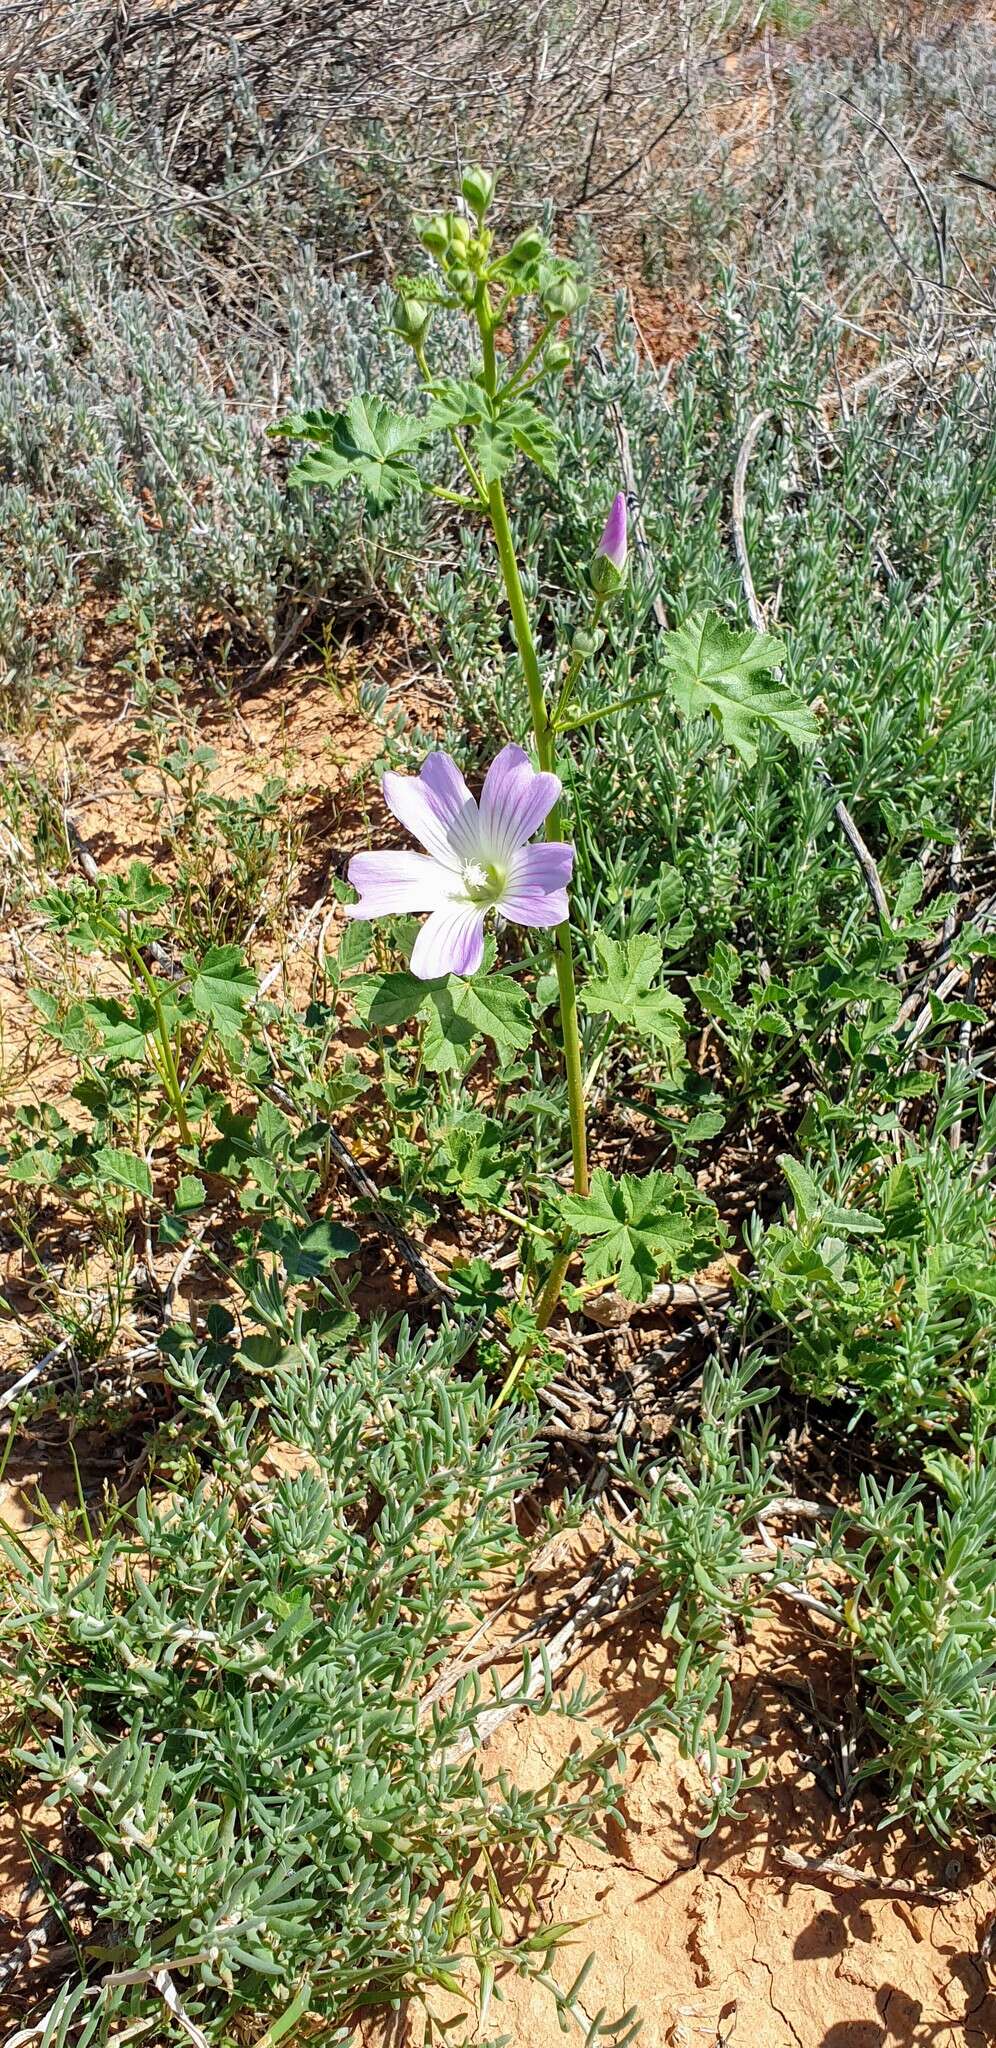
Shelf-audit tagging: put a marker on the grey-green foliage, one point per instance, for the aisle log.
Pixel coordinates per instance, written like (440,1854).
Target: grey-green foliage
(177,274)
(832,142)
(879,1278)
(232,1693)
(915,1583)
(145,351)
(696,1530)
(908,1575)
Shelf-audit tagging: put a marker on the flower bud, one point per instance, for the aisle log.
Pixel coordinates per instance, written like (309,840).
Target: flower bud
(461,281)
(561,298)
(586,643)
(434,234)
(411,319)
(556,358)
(607,570)
(459,231)
(530,244)
(478,188)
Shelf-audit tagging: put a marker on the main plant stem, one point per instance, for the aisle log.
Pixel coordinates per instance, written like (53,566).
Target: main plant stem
(544,735)
(169,1074)
(546,749)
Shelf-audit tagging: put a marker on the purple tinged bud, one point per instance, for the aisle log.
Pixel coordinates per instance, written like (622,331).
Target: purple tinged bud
(613,541)
(607,572)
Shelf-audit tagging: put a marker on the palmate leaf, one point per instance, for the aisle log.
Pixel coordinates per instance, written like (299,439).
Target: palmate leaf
(368,441)
(458,1013)
(456,402)
(533,433)
(714,669)
(222,987)
(67,1027)
(501,429)
(41,1166)
(123,1033)
(473,1159)
(389,999)
(627,989)
(520,428)
(136,892)
(462,1012)
(639,1228)
(307,1251)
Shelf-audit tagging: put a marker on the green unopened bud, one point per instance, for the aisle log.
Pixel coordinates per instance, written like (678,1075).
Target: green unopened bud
(478,188)
(461,281)
(603,576)
(411,319)
(530,244)
(561,298)
(459,230)
(556,358)
(434,234)
(586,642)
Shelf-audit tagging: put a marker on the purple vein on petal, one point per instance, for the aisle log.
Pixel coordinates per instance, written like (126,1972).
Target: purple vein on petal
(451,941)
(389,883)
(436,809)
(515,800)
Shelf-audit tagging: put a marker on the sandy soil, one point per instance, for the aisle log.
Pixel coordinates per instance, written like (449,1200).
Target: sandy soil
(743,1940)
(738,1941)
(723,1940)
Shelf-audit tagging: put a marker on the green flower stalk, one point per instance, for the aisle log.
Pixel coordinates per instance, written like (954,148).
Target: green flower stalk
(544,736)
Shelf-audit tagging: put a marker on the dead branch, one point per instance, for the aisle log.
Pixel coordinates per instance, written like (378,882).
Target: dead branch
(837,1870)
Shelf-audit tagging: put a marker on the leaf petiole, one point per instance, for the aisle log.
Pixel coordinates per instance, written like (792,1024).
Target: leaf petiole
(606,710)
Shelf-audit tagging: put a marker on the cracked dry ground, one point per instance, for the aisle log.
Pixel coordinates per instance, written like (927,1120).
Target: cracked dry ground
(724,1943)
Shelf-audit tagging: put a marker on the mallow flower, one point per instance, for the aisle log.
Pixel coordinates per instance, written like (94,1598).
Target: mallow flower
(476,859)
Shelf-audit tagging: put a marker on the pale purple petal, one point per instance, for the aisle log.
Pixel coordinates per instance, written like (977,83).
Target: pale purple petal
(536,892)
(546,865)
(514,802)
(436,807)
(451,941)
(448,794)
(538,907)
(613,541)
(391,882)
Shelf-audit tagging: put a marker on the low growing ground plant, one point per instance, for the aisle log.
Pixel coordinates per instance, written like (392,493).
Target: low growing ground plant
(263,1715)
(880,1278)
(914,1580)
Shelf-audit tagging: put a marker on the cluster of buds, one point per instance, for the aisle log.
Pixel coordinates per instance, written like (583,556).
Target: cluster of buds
(461,246)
